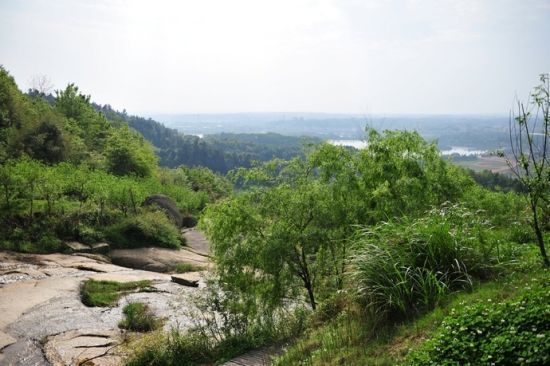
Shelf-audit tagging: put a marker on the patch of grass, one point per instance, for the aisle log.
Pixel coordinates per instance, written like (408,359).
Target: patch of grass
(347,339)
(107,293)
(188,267)
(138,317)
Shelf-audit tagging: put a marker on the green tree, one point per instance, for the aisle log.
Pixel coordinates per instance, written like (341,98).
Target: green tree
(128,153)
(267,242)
(530,150)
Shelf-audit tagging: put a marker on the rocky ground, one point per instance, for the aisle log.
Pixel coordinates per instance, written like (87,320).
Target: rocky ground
(43,321)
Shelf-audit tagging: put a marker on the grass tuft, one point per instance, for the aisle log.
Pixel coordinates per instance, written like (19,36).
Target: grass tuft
(138,317)
(107,293)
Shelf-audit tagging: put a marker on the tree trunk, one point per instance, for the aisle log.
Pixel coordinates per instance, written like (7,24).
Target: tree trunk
(307,279)
(538,233)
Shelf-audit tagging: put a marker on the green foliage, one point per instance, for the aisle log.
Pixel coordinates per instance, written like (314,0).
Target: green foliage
(291,228)
(403,269)
(497,181)
(127,153)
(107,293)
(138,317)
(513,332)
(79,203)
(145,229)
(348,338)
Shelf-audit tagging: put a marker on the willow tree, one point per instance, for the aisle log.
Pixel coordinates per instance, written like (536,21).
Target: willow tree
(530,155)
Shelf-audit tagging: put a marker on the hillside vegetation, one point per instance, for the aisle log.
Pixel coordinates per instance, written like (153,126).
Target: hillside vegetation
(346,254)
(389,254)
(68,172)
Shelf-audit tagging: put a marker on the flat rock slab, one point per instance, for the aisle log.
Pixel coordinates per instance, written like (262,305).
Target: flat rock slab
(156,259)
(81,347)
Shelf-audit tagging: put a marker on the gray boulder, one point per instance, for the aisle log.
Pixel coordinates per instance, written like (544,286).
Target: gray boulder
(167,205)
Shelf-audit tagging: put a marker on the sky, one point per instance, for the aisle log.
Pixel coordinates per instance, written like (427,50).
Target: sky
(336,56)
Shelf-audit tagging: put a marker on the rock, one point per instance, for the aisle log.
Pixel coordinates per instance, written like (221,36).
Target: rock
(185,280)
(83,347)
(76,247)
(137,261)
(101,248)
(156,259)
(167,205)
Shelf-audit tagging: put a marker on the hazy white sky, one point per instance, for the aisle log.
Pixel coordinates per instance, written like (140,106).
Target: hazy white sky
(351,56)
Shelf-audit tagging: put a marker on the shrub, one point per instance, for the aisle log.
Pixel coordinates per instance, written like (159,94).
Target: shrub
(405,268)
(107,293)
(145,229)
(139,318)
(514,332)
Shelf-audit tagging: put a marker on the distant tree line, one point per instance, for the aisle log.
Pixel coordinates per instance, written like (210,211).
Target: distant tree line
(220,153)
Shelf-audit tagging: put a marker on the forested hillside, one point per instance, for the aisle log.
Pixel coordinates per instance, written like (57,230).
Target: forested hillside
(70,172)
(220,152)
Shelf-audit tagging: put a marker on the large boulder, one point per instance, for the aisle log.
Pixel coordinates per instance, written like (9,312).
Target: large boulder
(167,205)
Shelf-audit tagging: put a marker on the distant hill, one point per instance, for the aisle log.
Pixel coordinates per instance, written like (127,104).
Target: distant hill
(220,152)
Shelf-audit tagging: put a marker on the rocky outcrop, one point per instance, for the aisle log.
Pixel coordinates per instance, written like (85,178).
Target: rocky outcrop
(167,205)
(41,310)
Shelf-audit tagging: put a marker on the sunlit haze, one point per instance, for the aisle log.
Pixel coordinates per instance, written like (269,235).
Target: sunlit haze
(349,56)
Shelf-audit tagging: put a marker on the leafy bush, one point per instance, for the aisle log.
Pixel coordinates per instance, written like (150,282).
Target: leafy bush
(514,332)
(145,229)
(139,318)
(405,268)
(107,293)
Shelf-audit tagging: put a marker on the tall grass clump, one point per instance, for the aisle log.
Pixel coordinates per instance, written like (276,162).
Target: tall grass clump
(138,317)
(406,267)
